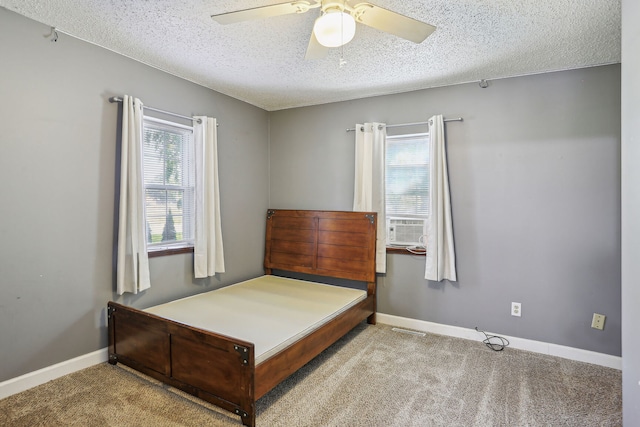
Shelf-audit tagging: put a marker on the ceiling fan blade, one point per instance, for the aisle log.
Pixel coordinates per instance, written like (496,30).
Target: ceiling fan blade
(315,50)
(392,22)
(264,12)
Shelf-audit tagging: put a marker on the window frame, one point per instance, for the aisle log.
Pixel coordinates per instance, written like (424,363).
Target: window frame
(398,248)
(185,245)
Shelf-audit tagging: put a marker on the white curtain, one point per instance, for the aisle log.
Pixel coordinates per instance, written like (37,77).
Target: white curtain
(208,256)
(368,190)
(441,258)
(132,268)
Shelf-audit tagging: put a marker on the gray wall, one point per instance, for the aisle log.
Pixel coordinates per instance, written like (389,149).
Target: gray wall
(57,160)
(630,212)
(535,185)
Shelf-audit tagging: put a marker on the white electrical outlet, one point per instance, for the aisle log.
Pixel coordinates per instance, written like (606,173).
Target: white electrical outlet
(598,321)
(516,309)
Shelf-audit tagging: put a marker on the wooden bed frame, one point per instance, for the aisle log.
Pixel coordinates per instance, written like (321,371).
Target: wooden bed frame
(221,369)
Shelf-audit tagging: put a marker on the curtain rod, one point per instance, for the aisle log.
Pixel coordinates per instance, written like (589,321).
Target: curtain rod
(117,99)
(458,119)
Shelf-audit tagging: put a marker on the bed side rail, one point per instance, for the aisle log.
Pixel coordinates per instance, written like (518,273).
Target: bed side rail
(278,367)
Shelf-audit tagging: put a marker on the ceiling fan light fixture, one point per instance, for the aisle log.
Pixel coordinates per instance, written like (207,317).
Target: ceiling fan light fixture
(334,28)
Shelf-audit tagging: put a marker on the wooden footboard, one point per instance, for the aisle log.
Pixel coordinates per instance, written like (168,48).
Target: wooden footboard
(215,368)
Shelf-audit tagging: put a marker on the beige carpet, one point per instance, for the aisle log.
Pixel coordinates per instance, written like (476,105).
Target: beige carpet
(372,377)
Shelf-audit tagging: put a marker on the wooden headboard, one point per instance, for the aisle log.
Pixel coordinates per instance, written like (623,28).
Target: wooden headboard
(324,243)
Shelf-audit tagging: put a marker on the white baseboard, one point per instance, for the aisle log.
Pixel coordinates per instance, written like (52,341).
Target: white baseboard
(41,376)
(565,352)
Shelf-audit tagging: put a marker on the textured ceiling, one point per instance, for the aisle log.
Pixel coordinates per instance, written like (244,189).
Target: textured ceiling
(262,62)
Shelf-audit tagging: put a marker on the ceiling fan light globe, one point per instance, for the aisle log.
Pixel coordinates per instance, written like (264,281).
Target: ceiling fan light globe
(334,29)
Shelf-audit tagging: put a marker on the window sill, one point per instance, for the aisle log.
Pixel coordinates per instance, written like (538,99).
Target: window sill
(401,251)
(153,253)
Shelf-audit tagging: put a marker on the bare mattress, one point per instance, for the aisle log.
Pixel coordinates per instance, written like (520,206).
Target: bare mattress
(269,311)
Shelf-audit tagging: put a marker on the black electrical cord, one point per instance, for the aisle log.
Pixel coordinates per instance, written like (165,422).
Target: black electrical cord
(495,346)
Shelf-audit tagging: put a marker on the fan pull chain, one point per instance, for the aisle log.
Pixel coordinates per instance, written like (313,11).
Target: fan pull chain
(342,61)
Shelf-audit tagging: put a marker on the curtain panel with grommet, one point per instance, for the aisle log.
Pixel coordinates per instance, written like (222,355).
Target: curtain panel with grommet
(369,182)
(208,256)
(132,262)
(440,257)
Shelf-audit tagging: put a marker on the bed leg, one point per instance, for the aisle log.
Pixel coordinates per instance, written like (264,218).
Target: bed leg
(371,292)
(250,419)
(371,319)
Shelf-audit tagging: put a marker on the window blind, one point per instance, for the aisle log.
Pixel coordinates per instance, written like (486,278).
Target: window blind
(407,176)
(169,178)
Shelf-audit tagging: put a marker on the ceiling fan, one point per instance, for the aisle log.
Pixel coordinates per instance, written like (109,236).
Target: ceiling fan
(336,25)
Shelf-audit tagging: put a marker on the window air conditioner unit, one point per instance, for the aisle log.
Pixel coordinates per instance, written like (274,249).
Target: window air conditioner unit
(405,231)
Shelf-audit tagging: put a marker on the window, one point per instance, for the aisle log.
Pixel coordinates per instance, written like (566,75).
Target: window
(407,189)
(169,183)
